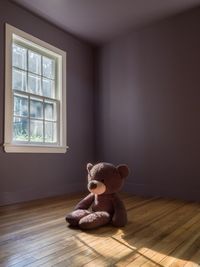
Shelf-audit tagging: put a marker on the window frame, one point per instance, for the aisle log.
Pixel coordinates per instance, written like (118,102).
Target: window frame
(11,146)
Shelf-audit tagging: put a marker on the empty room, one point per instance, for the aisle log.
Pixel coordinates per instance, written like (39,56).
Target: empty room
(99,133)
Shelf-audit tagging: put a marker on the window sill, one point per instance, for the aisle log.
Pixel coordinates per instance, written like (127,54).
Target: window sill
(19,148)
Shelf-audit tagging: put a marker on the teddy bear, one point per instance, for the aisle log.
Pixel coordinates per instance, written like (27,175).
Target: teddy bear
(104,181)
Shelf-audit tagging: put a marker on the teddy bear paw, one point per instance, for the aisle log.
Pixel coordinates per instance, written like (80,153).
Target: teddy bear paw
(74,217)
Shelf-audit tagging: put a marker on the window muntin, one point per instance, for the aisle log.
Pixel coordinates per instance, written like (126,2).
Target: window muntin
(35,109)
(34,92)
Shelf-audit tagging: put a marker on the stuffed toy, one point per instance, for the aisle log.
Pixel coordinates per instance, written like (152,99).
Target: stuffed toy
(104,181)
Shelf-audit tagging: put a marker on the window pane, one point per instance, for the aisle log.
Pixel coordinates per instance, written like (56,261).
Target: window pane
(20,129)
(48,88)
(20,105)
(48,68)
(19,80)
(36,109)
(50,132)
(50,111)
(36,131)
(19,57)
(34,84)
(34,62)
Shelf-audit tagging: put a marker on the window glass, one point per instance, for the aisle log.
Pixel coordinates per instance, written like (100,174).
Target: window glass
(48,88)
(36,131)
(36,109)
(20,105)
(50,132)
(34,62)
(20,129)
(19,57)
(48,68)
(38,84)
(19,80)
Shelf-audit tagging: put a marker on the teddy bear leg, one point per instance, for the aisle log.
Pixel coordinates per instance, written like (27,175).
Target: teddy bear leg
(94,220)
(74,217)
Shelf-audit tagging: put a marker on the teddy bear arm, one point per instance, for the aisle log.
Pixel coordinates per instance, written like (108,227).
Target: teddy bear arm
(85,203)
(120,216)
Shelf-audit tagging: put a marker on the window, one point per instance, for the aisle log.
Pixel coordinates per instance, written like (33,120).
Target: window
(35,97)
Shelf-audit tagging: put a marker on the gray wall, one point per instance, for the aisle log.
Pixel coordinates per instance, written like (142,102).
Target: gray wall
(148,106)
(29,176)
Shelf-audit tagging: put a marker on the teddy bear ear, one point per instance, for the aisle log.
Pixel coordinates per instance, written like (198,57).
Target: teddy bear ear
(123,170)
(89,167)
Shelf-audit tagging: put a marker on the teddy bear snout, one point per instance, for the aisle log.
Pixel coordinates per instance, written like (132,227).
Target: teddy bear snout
(92,185)
(96,187)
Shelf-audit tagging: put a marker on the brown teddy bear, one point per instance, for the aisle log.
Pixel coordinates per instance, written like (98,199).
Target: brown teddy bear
(104,180)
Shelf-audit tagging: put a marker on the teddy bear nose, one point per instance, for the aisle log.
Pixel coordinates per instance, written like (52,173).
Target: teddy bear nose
(93,185)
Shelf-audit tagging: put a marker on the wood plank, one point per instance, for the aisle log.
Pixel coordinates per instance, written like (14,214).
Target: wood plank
(165,246)
(194,261)
(155,231)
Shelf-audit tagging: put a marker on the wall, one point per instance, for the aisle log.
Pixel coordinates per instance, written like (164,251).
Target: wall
(29,176)
(148,105)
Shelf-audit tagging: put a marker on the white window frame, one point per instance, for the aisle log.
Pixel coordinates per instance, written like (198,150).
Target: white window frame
(11,146)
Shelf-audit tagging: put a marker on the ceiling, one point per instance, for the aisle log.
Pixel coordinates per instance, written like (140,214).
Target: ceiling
(99,21)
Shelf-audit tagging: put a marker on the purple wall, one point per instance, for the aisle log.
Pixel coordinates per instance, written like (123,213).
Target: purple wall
(30,176)
(148,105)
(147,110)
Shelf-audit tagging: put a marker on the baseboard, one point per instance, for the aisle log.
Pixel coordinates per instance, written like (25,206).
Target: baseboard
(7,198)
(183,192)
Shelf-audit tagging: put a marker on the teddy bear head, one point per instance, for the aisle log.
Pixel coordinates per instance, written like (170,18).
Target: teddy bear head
(105,178)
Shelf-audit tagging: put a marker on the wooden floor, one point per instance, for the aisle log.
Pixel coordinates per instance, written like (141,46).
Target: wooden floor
(159,233)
